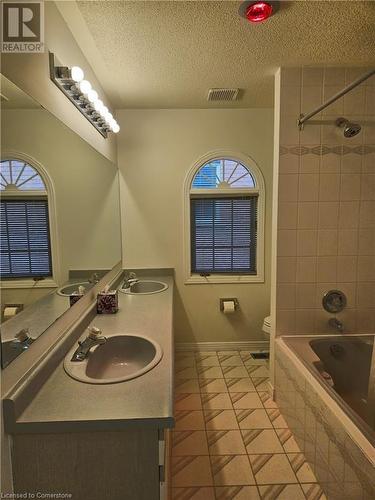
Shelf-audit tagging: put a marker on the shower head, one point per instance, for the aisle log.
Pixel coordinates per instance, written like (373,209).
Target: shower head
(350,129)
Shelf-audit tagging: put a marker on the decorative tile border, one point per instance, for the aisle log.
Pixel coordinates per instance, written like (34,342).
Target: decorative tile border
(325,150)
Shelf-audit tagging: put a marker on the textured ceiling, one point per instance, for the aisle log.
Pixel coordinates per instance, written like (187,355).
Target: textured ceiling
(168,54)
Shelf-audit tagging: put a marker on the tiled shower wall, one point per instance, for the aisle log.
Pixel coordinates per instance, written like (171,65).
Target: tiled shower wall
(326,207)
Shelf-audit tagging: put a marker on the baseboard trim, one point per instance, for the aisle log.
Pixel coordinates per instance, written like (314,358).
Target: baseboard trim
(246,345)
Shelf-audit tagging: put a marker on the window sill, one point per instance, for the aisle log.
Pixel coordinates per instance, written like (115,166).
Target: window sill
(28,283)
(196,279)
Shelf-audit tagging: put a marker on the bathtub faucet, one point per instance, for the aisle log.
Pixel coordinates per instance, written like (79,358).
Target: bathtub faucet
(336,324)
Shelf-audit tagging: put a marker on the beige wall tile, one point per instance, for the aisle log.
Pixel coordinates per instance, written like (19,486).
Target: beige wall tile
(329,188)
(326,268)
(330,164)
(308,189)
(287,215)
(347,268)
(366,241)
(286,242)
(310,164)
(350,188)
(286,295)
(351,164)
(334,76)
(367,214)
(327,241)
(288,187)
(286,269)
(368,187)
(307,215)
(328,214)
(349,214)
(306,270)
(365,295)
(348,242)
(366,268)
(307,241)
(305,295)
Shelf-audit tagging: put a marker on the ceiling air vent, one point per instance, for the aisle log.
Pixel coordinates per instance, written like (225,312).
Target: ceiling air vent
(222,94)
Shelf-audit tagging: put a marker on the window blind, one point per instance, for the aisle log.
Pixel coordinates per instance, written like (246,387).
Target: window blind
(25,241)
(224,235)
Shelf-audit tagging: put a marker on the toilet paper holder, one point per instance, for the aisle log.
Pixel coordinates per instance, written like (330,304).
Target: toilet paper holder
(231,299)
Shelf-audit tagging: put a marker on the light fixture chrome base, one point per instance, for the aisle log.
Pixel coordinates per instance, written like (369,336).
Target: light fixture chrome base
(59,74)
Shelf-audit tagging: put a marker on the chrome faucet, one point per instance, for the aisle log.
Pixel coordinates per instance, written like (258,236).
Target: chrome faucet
(94,278)
(336,324)
(94,338)
(130,279)
(22,340)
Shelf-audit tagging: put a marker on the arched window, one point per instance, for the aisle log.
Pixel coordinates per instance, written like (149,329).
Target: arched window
(25,223)
(224,208)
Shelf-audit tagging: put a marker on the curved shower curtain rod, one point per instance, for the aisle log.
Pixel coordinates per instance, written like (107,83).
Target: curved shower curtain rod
(303,118)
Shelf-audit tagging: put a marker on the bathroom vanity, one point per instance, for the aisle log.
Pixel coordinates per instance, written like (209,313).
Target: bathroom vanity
(99,440)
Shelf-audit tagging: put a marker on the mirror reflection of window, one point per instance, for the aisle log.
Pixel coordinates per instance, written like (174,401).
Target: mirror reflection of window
(24,214)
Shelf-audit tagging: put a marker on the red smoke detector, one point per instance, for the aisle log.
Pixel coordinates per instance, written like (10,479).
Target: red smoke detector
(258,12)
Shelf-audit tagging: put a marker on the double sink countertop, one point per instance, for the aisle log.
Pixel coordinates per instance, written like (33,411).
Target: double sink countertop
(67,405)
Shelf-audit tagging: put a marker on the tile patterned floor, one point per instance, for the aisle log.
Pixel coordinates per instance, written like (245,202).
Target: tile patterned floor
(230,441)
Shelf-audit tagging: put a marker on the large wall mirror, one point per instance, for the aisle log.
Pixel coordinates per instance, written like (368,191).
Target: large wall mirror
(60,219)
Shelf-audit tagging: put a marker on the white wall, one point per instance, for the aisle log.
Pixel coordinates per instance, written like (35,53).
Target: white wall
(86,187)
(30,72)
(156,148)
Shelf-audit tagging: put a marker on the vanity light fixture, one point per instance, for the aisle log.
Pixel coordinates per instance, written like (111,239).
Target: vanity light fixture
(80,92)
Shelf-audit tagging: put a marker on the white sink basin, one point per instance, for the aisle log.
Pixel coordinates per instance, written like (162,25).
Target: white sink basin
(145,287)
(122,357)
(67,290)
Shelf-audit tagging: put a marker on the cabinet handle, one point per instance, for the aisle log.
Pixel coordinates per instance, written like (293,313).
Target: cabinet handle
(161,473)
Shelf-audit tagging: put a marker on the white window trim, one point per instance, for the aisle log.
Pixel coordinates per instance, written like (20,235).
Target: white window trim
(194,278)
(50,282)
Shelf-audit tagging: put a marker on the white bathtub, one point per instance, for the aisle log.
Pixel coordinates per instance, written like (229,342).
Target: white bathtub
(337,441)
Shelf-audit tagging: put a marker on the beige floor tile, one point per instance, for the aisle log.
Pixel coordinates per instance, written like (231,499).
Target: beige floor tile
(267,401)
(281,492)
(189,420)
(193,493)
(186,385)
(272,469)
(240,385)
(260,383)
(253,419)
(231,470)
(230,360)
(191,471)
(209,371)
(258,371)
(187,401)
(276,418)
(186,372)
(220,419)
(246,400)
(212,385)
(225,443)
(287,440)
(313,492)
(261,441)
(237,493)
(189,443)
(183,359)
(301,468)
(234,371)
(216,401)
(207,359)
(228,353)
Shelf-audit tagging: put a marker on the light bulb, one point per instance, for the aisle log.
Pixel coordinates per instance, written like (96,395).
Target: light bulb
(104,111)
(98,105)
(115,128)
(92,95)
(76,74)
(85,86)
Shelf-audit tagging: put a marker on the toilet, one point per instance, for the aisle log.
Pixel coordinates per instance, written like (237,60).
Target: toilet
(267,327)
